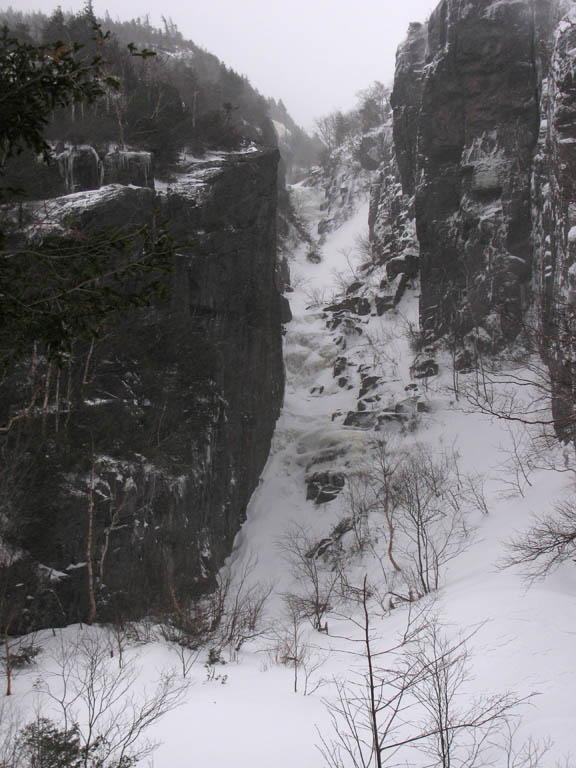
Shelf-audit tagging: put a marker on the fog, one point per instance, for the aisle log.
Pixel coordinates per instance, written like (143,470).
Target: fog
(314,55)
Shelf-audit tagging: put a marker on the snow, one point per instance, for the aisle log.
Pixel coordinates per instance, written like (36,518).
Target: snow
(494,7)
(244,712)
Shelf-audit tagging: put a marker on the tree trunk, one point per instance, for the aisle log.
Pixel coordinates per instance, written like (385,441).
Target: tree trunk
(89,563)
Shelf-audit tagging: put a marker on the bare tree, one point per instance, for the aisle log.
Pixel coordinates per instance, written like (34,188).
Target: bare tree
(367,716)
(186,647)
(232,615)
(98,697)
(120,634)
(384,481)
(550,542)
(89,543)
(10,725)
(12,604)
(238,606)
(410,508)
(529,382)
(529,754)
(454,733)
(432,518)
(360,502)
(317,580)
(291,648)
(406,701)
(187,656)
(332,129)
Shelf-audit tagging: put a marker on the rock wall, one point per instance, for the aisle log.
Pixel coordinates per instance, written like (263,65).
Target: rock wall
(554,217)
(165,423)
(483,164)
(466,123)
(391,222)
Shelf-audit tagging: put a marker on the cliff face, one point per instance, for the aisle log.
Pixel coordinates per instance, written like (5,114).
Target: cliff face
(484,164)
(468,157)
(554,218)
(165,423)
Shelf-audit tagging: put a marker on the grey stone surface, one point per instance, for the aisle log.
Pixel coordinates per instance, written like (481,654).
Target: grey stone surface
(176,402)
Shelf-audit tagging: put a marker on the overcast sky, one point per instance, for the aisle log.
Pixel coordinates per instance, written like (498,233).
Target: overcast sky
(313,54)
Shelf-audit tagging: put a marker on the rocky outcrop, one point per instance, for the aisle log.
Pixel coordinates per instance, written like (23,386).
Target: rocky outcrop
(391,225)
(82,168)
(126,167)
(155,436)
(391,215)
(323,487)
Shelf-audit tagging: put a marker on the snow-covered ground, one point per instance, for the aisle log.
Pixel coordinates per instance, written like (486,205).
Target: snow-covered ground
(245,712)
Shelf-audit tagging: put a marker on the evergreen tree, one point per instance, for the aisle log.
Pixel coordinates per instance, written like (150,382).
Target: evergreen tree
(63,287)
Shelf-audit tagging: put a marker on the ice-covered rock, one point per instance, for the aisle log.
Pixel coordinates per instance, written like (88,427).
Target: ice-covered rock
(129,167)
(80,167)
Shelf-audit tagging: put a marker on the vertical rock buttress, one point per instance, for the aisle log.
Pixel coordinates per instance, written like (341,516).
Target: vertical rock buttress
(465,136)
(172,411)
(554,218)
(484,107)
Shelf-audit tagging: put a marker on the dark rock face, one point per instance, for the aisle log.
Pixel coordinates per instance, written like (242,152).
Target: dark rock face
(407,264)
(391,225)
(467,154)
(554,214)
(406,103)
(369,152)
(369,383)
(340,365)
(171,412)
(384,304)
(483,163)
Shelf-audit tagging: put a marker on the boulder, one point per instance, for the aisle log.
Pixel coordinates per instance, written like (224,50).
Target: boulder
(323,487)
(356,305)
(361,419)
(340,365)
(368,384)
(384,304)
(424,369)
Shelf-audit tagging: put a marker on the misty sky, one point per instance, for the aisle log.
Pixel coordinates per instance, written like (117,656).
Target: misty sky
(314,54)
